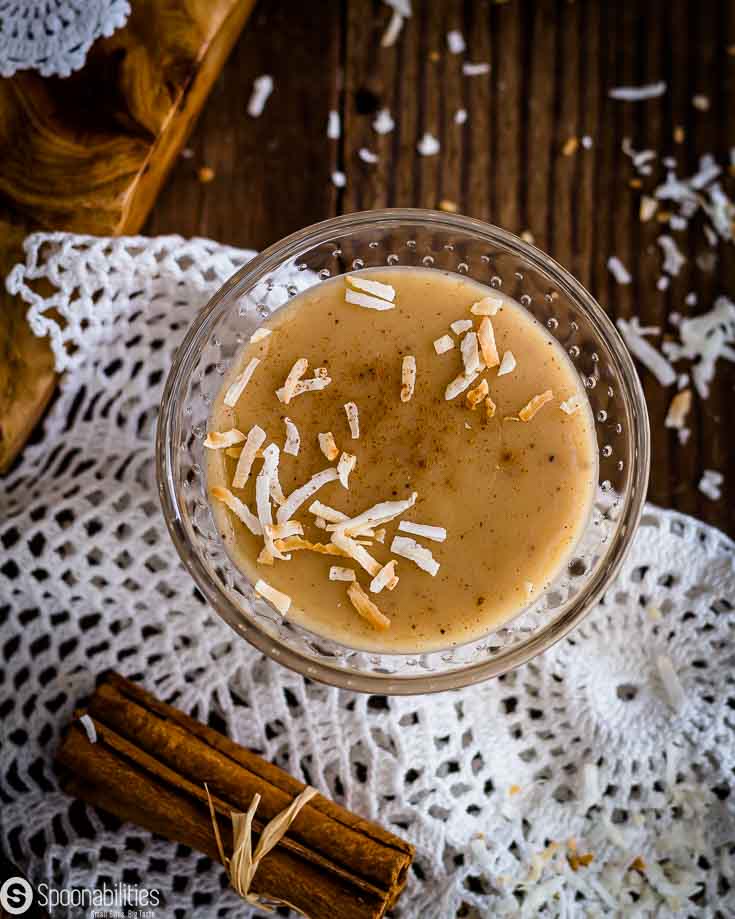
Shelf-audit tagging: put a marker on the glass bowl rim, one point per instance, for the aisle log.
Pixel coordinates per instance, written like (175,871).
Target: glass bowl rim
(404,684)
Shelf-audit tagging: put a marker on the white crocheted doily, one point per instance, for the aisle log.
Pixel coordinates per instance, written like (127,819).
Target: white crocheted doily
(484,781)
(54,36)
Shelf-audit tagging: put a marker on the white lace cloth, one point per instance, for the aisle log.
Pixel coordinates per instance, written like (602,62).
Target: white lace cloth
(480,780)
(54,36)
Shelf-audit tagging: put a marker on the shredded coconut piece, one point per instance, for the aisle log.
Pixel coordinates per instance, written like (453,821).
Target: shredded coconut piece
(641,158)
(366,301)
(475,396)
(334,126)
(648,208)
(318,382)
(459,384)
(327,512)
(456,42)
(374,288)
(486,338)
(353,548)
(366,608)
(460,325)
(428,145)
(89,729)
(673,259)
(353,419)
(420,555)
(488,306)
(408,377)
(443,344)
(304,492)
(263,486)
(638,93)
(570,146)
(380,536)
(294,375)
(475,70)
(508,364)
(663,282)
(383,123)
(587,142)
(675,694)
(238,386)
(618,270)
(328,445)
(701,102)
(383,577)
(293,440)
(281,601)
(253,443)
(220,440)
(490,408)
(260,334)
(298,543)
(679,409)
(401,11)
(367,156)
(710,484)
(460,116)
(437,534)
(534,405)
(706,338)
(652,359)
(284,530)
(346,464)
(471,354)
(262,88)
(342,574)
(339,179)
(572,404)
(378,514)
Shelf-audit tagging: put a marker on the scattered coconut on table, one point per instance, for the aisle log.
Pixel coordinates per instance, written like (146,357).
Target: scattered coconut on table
(637,93)
(618,270)
(383,122)
(428,145)
(262,89)
(711,484)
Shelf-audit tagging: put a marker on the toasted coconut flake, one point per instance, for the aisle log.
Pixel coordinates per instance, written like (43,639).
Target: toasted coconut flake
(471,359)
(253,443)
(346,464)
(437,534)
(366,301)
(353,419)
(293,440)
(264,557)
(263,482)
(459,384)
(342,574)
(374,288)
(328,446)
(260,334)
(459,326)
(486,338)
(281,601)
(490,408)
(238,386)
(327,512)
(284,530)
(572,404)
(443,344)
(298,543)
(508,364)
(220,440)
(408,377)
(89,729)
(366,608)
(383,577)
(648,208)
(377,515)
(679,409)
(570,146)
(240,510)
(451,207)
(534,405)
(675,695)
(475,395)
(286,393)
(420,555)
(315,384)
(488,306)
(304,492)
(353,548)
(380,535)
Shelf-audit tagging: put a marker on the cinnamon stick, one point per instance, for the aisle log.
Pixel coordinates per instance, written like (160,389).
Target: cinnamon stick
(149,765)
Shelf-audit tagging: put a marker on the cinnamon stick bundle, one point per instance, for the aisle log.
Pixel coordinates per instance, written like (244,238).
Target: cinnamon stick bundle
(149,765)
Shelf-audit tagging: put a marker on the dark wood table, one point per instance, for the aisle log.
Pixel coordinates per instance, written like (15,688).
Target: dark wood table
(552,64)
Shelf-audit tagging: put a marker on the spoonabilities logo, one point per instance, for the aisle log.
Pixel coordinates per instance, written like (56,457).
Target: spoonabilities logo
(16,896)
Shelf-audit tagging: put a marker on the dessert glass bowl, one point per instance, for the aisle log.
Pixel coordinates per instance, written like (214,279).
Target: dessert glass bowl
(414,238)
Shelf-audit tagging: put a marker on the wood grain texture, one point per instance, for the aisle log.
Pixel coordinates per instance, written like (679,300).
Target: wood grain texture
(89,154)
(553,62)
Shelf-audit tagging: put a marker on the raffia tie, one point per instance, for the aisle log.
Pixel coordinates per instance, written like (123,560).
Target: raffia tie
(244,863)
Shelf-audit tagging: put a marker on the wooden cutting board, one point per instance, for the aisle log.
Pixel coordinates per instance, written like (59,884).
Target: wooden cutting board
(89,154)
